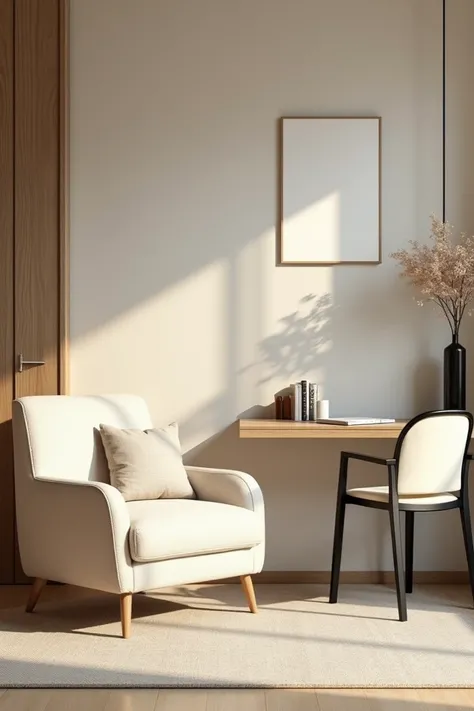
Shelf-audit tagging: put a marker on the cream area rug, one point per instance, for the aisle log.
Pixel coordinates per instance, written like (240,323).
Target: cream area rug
(203,636)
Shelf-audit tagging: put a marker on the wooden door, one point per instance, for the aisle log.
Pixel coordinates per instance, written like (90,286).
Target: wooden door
(36,195)
(35,312)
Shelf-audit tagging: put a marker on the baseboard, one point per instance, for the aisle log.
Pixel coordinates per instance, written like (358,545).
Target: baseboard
(361,577)
(354,577)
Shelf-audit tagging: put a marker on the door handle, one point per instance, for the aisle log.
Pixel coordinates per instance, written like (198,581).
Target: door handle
(22,363)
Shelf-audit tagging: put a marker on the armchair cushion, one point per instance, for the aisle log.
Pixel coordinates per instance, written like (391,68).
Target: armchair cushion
(165,529)
(146,464)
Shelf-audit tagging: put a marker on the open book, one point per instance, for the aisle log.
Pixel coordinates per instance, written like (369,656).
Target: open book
(356,420)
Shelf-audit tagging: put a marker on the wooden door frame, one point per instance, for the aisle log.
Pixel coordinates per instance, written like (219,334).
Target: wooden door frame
(64,234)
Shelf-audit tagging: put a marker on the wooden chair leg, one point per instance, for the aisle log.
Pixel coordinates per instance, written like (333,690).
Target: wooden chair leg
(468,544)
(409,542)
(126,614)
(35,592)
(395,530)
(247,585)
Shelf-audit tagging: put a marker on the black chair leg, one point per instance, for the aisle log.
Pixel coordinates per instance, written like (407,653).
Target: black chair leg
(396,532)
(337,549)
(338,529)
(409,536)
(468,544)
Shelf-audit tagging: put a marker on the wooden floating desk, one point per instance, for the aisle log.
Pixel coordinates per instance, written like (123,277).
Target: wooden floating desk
(288,429)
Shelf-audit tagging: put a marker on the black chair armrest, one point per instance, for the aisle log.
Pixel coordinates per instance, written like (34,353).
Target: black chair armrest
(368,458)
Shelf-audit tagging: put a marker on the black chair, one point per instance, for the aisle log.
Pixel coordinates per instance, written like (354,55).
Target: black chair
(428,472)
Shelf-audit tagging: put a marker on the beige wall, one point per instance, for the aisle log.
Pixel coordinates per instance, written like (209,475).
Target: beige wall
(174,290)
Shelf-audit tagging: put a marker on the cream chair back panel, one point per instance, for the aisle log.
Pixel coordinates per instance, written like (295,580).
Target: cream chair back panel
(431,456)
(63,432)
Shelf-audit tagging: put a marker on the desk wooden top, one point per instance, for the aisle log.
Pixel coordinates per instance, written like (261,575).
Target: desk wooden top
(288,429)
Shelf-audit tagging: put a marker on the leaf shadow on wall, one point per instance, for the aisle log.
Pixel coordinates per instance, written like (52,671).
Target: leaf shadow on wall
(297,349)
(300,344)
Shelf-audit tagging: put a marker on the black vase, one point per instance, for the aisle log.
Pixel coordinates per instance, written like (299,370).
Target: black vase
(455,376)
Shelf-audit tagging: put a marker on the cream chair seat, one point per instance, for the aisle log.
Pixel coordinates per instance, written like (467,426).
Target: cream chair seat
(381,493)
(164,529)
(74,527)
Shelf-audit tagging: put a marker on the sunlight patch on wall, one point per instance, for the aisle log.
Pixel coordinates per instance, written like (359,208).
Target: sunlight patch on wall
(301,237)
(169,349)
(250,287)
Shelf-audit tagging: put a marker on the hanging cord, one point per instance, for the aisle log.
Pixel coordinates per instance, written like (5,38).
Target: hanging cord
(444,110)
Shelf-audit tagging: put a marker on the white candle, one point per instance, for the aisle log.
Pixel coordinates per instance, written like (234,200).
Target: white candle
(322,409)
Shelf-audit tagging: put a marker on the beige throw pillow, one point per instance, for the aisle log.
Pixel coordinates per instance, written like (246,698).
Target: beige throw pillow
(146,464)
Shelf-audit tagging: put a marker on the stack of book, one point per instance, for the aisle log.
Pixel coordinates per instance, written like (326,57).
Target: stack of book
(299,403)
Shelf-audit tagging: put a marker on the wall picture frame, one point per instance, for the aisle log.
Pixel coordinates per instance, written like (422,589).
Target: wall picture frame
(329,191)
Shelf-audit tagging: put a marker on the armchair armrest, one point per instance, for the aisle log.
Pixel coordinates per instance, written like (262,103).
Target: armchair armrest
(226,486)
(75,532)
(368,458)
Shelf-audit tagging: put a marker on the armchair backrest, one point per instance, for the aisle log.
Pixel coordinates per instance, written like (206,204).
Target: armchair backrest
(57,437)
(431,451)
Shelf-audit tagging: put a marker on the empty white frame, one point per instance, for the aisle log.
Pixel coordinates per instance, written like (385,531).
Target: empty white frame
(330,191)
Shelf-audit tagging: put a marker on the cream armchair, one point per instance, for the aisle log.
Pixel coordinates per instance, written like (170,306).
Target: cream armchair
(74,527)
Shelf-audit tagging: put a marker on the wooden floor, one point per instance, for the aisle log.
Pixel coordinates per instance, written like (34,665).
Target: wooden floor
(237,700)
(219,699)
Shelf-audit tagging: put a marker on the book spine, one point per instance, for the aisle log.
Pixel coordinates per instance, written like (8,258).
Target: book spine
(304,400)
(296,411)
(278,407)
(297,408)
(287,407)
(311,408)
